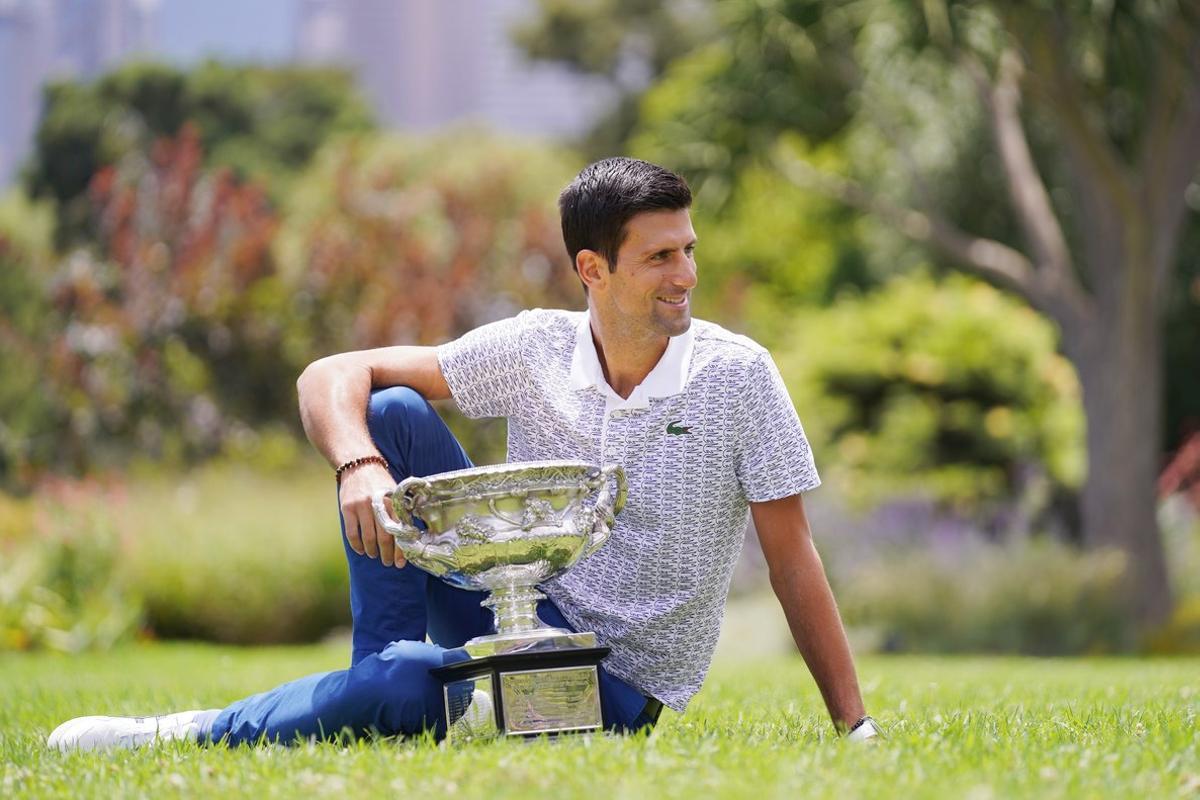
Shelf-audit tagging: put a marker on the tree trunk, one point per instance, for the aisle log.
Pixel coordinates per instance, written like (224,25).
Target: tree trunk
(1120,369)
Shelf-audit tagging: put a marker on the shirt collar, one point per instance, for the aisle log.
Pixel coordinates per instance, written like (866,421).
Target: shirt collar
(666,379)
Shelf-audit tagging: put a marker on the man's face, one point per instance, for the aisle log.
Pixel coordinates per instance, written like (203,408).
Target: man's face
(656,272)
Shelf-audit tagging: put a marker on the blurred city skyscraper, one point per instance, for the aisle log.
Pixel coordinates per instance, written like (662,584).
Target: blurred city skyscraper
(426,63)
(422,64)
(44,38)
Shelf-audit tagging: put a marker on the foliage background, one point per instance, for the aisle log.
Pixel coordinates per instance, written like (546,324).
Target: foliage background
(185,241)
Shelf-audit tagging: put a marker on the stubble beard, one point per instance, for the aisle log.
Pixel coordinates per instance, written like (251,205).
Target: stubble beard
(673,324)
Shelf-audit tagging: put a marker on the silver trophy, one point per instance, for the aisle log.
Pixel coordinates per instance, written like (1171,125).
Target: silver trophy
(504,529)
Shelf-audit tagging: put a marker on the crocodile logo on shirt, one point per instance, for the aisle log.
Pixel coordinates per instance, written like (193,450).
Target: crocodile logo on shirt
(675,429)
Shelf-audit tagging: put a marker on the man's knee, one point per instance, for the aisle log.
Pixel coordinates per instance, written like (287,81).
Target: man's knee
(404,658)
(397,682)
(397,407)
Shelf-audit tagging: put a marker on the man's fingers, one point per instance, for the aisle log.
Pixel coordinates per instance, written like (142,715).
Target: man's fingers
(353,536)
(387,545)
(366,522)
(367,537)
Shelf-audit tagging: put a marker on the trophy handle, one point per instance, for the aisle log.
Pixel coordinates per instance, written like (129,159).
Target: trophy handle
(404,531)
(435,559)
(622,486)
(607,510)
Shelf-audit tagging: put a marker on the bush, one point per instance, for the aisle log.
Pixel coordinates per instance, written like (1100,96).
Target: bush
(187,319)
(947,391)
(262,122)
(26,419)
(229,553)
(402,240)
(59,574)
(1036,597)
(234,553)
(1180,524)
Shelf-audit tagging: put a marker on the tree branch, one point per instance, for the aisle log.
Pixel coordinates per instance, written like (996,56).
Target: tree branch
(877,109)
(1026,189)
(1170,150)
(1063,99)
(985,257)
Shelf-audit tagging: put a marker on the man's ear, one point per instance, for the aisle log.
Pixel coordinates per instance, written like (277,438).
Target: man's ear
(592,268)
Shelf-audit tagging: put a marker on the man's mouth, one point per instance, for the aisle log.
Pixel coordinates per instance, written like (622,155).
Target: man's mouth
(677,301)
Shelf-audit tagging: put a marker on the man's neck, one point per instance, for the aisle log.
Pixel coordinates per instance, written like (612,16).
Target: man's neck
(625,359)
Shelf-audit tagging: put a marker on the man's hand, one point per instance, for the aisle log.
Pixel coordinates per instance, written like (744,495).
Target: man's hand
(799,581)
(334,393)
(363,531)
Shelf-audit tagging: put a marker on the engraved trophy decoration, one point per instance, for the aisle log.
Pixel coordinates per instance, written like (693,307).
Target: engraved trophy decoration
(504,529)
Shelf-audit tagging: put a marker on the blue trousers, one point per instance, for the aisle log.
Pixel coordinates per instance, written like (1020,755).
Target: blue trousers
(388,689)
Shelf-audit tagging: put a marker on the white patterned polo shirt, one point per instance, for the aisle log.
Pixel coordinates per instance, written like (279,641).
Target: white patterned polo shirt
(710,430)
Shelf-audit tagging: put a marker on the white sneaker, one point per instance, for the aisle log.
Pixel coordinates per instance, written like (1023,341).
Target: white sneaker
(481,714)
(107,733)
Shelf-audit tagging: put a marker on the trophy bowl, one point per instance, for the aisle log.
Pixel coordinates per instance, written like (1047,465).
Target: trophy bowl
(504,528)
(487,527)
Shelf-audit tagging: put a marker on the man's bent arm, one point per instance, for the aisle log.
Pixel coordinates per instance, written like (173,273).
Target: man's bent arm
(334,393)
(798,578)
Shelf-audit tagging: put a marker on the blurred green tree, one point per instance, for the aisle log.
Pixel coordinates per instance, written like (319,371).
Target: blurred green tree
(773,252)
(399,240)
(625,43)
(264,123)
(1094,171)
(166,330)
(947,391)
(27,419)
(178,332)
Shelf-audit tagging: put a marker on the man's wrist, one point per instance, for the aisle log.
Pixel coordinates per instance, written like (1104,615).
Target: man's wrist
(355,463)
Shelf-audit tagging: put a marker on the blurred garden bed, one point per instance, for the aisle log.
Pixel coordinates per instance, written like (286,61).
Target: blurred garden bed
(226,553)
(248,551)
(910,577)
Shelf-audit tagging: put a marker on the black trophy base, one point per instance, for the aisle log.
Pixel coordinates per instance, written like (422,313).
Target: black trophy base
(525,694)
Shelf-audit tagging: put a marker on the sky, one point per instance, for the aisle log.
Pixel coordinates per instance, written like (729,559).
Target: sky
(250,30)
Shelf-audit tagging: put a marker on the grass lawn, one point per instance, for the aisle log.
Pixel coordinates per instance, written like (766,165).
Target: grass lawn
(960,727)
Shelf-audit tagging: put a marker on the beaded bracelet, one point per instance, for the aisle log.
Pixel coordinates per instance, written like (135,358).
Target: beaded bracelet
(358,462)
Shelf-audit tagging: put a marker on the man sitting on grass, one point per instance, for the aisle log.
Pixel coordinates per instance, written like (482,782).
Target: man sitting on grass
(700,420)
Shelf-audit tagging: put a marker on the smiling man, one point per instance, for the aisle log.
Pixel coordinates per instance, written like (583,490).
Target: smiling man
(700,420)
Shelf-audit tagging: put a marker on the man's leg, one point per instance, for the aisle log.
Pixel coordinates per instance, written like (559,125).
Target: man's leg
(389,604)
(388,688)
(388,693)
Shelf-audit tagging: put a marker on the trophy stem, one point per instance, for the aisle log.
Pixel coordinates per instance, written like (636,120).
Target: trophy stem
(515,609)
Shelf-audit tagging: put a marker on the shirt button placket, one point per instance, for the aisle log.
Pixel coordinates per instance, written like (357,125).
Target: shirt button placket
(612,434)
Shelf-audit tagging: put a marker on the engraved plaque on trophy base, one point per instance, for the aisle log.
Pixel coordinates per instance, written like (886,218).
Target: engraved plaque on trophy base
(549,692)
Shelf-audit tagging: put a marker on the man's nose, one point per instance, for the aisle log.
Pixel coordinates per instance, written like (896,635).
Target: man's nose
(684,273)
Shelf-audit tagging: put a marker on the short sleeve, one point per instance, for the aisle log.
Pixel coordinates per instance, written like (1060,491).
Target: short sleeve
(773,457)
(485,369)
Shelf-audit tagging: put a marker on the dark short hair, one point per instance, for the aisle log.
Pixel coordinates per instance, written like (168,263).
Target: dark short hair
(607,194)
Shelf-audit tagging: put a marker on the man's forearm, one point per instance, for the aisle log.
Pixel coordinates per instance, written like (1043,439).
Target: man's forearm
(807,601)
(333,401)
(334,395)
(335,390)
